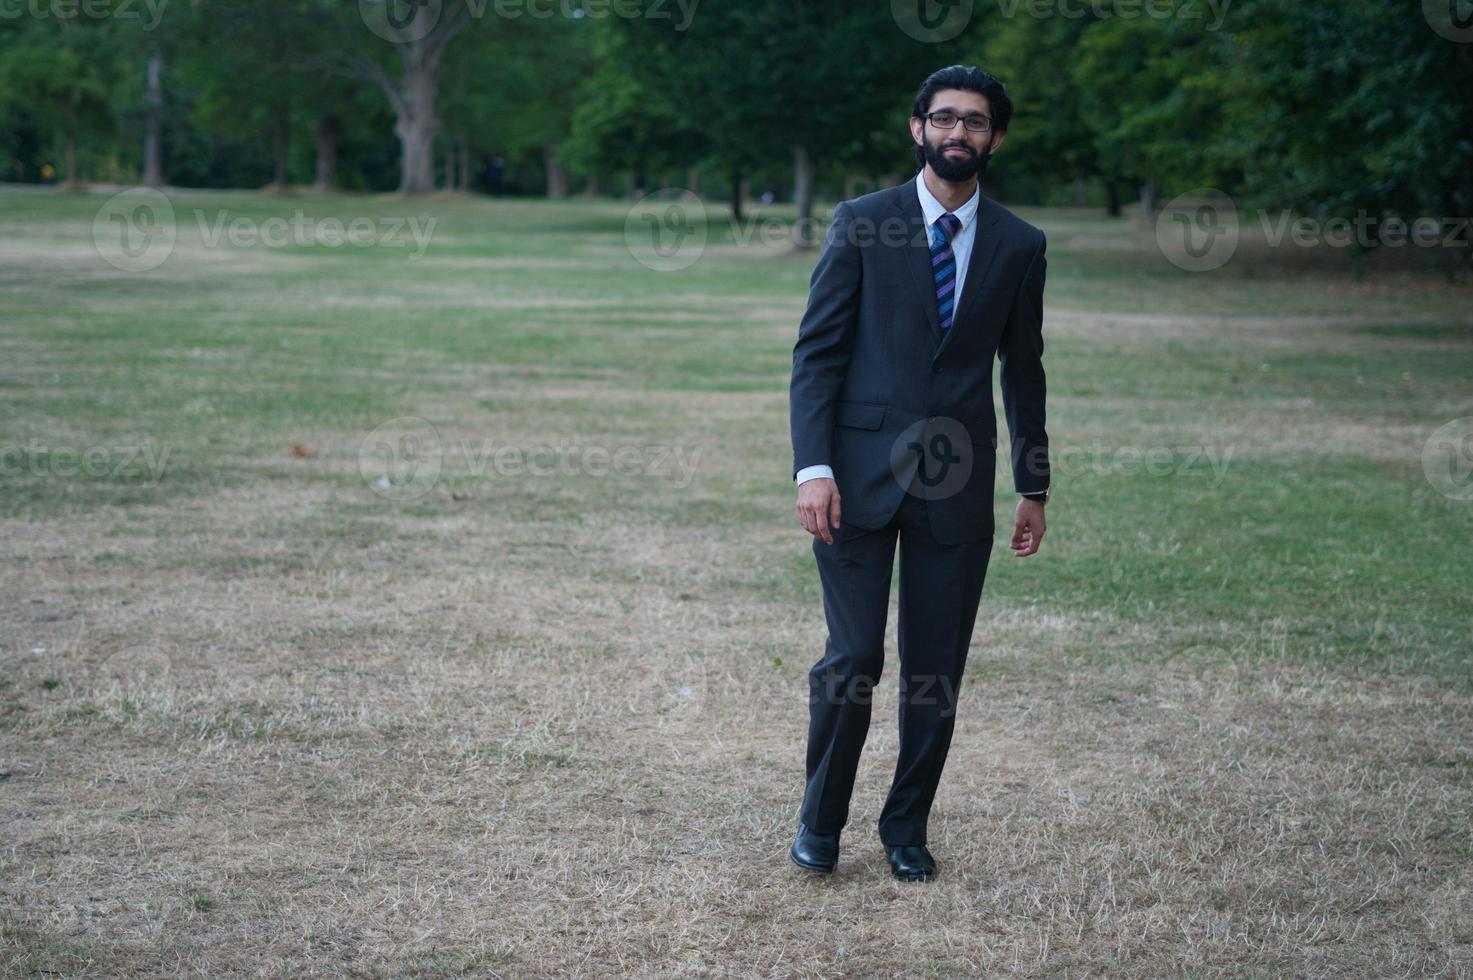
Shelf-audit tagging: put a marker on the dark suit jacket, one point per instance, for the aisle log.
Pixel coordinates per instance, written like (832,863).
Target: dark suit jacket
(873,379)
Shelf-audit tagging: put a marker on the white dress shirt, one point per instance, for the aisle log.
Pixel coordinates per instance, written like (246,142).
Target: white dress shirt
(961,247)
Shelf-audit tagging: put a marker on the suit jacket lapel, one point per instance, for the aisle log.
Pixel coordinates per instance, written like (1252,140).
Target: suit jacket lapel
(918,258)
(984,250)
(917,251)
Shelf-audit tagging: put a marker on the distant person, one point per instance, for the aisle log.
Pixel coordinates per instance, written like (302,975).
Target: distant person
(767,197)
(918,288)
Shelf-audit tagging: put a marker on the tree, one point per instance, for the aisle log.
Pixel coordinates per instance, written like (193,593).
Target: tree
(254,85)
(1050,140)
(419,42)
(621,125)
(1354,107)
(515,90)
(1160,103)
(63,70)
(805,79)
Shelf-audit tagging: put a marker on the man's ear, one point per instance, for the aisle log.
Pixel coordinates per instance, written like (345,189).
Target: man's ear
(917,128)
(997,139)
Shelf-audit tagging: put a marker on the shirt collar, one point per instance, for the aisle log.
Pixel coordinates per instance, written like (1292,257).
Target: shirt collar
(932,209)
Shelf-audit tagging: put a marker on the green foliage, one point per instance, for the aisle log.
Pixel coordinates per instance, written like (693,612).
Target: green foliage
(624,124)
(1050,138)
(1328,108)
(760,78)
(61,73)
(1359,106)
(513,88)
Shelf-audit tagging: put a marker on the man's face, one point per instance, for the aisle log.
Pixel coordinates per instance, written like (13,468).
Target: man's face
(956,154)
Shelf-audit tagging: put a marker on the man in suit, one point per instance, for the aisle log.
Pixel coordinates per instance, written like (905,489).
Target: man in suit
(917,289)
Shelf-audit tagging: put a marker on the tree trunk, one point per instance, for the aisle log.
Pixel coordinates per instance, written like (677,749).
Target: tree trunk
(803,197)
(1112,198)
(416,123)
(70,183)
(416,153)
(465,165)
(1081,192)
(283,148)
(413,94)
(591,187)
(557,176)
(1148,203)
(153,150)
(327,153)
(450,164)
(736,194)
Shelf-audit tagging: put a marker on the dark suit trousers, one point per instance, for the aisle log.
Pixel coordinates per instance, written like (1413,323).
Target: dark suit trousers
(940,587)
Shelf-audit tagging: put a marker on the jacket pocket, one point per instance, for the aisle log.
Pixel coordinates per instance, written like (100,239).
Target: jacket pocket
(860,415)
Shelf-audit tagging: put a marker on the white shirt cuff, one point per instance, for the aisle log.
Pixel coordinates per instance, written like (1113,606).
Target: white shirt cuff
(819,472)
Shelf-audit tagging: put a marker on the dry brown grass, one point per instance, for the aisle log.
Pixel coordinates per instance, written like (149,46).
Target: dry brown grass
(283,727)
(519,748)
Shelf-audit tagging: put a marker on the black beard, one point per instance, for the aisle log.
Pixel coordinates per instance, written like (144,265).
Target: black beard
(957,171)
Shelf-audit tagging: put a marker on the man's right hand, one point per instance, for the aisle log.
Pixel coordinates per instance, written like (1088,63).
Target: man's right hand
(818,508)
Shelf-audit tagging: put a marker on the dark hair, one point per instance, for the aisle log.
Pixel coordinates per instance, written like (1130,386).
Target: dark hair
(970,79)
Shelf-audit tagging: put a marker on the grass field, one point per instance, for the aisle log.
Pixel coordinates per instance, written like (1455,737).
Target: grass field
(259,714)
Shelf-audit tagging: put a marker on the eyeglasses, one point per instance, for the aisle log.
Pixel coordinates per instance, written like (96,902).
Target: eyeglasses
(947,120)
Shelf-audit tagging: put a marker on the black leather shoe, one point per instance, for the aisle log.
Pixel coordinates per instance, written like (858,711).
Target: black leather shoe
(911,862)
(814,851)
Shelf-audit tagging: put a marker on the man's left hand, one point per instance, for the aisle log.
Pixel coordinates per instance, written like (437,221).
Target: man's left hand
(1028,528)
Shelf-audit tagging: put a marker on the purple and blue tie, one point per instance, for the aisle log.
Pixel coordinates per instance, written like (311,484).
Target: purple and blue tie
(943,268)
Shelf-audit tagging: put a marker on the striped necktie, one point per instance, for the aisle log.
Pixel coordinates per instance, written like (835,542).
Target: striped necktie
(943,268)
